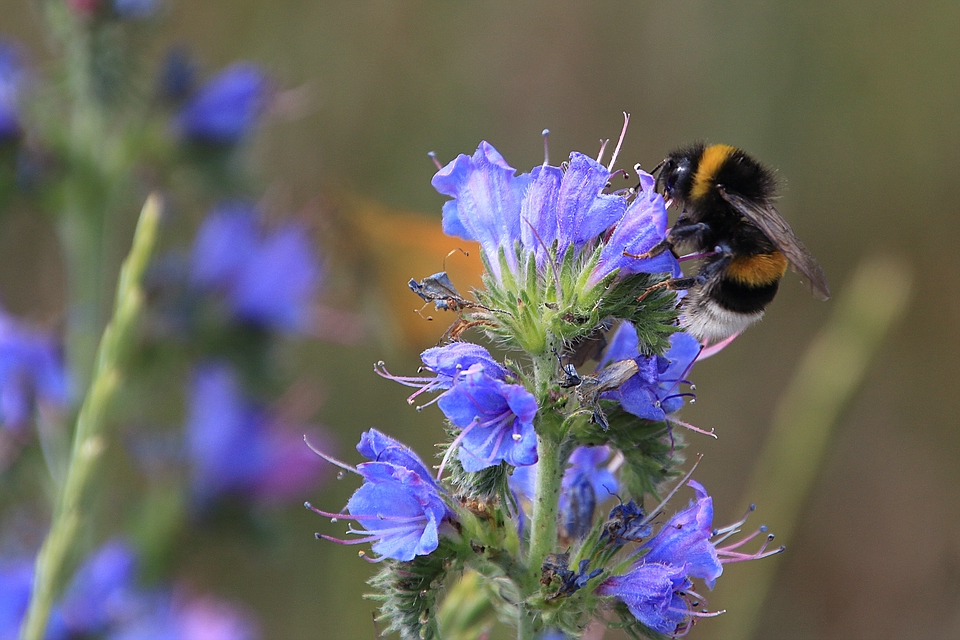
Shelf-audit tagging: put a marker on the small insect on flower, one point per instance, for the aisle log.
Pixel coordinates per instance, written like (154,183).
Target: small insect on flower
(439,290)
(609,378)
(728,220)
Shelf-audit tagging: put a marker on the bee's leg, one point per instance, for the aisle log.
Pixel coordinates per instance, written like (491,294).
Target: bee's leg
(720,261)
(681,232)
(654,251)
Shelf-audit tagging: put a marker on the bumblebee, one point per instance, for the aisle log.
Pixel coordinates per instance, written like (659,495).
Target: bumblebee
(728,219)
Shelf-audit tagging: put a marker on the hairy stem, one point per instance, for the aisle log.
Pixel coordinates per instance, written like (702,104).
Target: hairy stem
(89,439)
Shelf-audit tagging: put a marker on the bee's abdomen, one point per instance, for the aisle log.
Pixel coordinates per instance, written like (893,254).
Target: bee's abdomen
(749,283)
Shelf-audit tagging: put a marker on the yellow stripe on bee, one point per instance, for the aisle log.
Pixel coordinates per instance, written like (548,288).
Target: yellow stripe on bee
(758,270)
(710,162)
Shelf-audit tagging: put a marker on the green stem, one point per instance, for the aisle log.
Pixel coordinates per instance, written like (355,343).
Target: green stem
(543,528)
(89,439)
(543,525)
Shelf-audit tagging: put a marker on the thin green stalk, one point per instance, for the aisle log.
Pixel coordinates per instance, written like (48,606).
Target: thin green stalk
(89,439)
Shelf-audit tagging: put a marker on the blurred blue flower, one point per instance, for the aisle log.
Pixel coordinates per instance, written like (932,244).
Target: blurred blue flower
(235,447)
(658,588)
(173,617)
(269,279)
(31,373)
(134,9)
(225,109)
(652,393)
(498,208)
(103,591)
(399,504)
(103,600)
(496,419)
(16,580)
(178,74)
(12,78)
(586,483)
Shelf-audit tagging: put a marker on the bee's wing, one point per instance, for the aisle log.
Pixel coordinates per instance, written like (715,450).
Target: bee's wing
(777,229)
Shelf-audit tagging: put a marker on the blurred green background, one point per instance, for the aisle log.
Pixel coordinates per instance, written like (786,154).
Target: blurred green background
(856,104)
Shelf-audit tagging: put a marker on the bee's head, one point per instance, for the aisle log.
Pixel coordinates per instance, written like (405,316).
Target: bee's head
(675,176)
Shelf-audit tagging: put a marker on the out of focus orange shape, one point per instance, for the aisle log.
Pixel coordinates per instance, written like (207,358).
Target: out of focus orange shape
(400,245)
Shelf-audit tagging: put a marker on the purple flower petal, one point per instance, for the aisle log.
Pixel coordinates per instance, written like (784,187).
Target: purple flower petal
(451,359)
(399,509)
(643,225)
(538,212)
(583,212)
(12,79)
(486,208)
(380,447)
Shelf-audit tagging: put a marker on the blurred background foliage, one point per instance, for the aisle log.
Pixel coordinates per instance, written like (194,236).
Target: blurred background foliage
(854,103)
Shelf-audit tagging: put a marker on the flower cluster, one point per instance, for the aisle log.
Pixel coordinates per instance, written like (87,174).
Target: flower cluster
(536,444)
(657,589)
(548,212)
(557,245)
(267,279)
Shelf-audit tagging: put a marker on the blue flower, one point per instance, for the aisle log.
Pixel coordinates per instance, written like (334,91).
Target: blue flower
(446,363)
(496,418)
(501,210)
(399,504)
(12,78)
(685,540)
(586,483)
(268,278)
(658,590)
(134,9)
(654,594)
(235,447)
(31,373)
(225,109)
(652,393)
(379,447)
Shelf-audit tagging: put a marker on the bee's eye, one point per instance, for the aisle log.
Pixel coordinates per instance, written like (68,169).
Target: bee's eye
(671,182)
